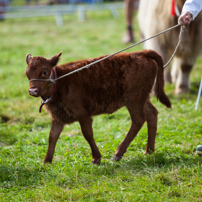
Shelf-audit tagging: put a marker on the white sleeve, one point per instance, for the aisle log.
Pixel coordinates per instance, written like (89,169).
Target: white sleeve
(192,6)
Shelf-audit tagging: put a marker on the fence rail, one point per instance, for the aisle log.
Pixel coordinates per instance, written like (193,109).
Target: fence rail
(23,11)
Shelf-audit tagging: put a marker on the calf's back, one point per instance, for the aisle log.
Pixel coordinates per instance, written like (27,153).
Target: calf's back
(104,87)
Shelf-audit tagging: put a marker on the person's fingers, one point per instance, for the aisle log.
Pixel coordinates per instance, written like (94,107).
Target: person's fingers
(185,19)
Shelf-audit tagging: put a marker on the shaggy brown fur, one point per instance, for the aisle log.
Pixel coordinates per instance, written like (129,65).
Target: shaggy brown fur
(125,79)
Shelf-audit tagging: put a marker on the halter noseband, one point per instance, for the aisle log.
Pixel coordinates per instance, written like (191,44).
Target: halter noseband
(49,79)
(44,101)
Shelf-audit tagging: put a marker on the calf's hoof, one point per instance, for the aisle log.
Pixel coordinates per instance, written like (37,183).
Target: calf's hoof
(47,161)
(96,161)
(117,158)
(148,152)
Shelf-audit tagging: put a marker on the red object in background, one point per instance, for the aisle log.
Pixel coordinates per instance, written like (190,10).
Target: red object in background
(173,8)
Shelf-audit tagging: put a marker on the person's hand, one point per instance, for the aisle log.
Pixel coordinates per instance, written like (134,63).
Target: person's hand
(185,18)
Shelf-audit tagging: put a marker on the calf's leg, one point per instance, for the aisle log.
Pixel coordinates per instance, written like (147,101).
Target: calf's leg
(56,129)
(138,119)
(151,118)
(86,128)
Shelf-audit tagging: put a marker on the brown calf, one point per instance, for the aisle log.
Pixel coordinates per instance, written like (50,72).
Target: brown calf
(125,79)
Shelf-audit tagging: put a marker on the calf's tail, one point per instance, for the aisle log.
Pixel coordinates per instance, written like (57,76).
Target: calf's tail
(159,85)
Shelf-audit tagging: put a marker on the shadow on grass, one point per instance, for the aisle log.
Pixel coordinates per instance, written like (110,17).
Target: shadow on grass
(144,164)
(194,87)
(66,174)
(7,135)
(21,176)
(163,160)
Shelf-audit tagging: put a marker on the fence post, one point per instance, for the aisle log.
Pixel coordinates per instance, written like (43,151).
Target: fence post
(58,18)
(81,13)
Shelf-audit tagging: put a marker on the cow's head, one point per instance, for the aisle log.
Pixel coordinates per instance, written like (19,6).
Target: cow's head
(40,68)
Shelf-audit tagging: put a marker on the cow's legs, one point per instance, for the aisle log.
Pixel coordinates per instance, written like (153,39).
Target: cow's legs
(182,82)
(175,69)
(138,119)
(151,118)
(184,67)
(56,129)
(86,128)
(167,70)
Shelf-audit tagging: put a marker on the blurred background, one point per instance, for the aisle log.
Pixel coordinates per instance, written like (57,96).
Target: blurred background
(86,29)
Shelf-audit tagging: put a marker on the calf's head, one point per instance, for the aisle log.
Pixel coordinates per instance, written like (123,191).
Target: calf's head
(38,69)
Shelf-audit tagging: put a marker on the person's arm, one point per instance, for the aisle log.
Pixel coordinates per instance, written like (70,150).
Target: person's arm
(190,10)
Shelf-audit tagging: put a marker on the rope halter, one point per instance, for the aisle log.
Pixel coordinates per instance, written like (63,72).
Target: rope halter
(49,79)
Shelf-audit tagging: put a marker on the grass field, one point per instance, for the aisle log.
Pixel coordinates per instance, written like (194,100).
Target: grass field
(172,173)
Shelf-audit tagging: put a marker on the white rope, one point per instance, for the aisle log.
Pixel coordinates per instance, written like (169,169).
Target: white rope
(88,65)
(179,41)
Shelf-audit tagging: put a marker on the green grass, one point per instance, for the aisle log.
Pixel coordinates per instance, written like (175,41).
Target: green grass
(172,173)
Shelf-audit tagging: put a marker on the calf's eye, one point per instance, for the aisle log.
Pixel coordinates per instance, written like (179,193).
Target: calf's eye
(45,73)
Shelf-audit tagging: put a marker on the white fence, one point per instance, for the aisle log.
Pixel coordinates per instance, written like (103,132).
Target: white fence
(24,11)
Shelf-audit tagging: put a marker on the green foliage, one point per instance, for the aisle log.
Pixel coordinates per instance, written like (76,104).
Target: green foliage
(172,173)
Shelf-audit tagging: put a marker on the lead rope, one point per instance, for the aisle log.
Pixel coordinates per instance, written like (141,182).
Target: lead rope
(88,65)
(179,41)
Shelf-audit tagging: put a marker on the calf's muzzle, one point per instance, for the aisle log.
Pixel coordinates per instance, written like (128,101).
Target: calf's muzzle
(33,91)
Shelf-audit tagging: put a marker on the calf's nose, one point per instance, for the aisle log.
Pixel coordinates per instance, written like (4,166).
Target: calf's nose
(33,91)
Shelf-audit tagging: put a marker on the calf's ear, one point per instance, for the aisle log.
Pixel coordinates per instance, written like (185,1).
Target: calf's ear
(28,58)
(54,60)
